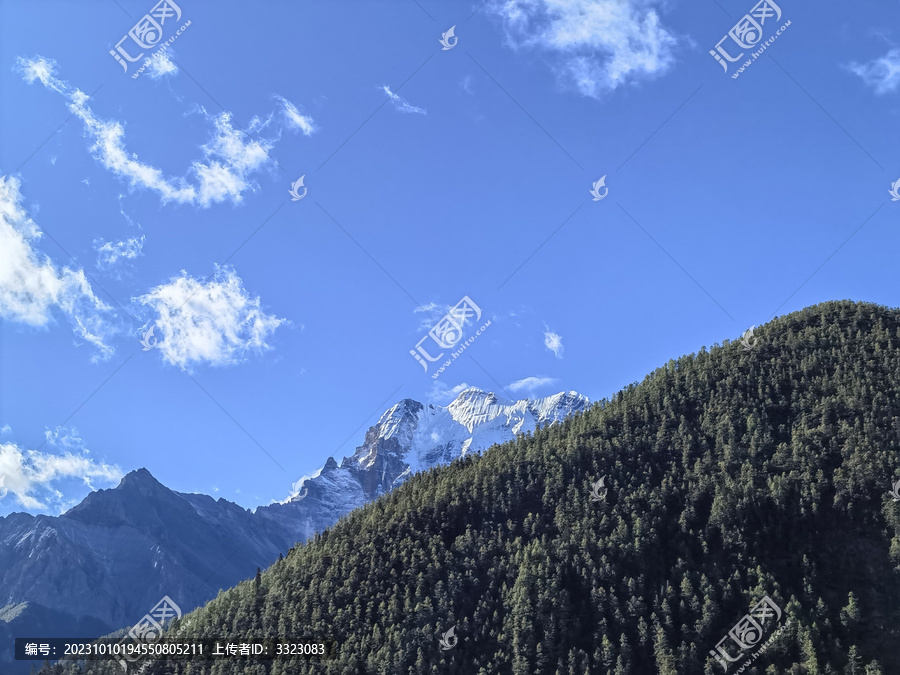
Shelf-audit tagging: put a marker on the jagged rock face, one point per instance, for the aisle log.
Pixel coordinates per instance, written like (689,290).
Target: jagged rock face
(380,459)
(117,553)
(412,437)
(103,564)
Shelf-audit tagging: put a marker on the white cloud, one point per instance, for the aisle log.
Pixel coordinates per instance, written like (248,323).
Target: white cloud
(882,74)
(125,215)
(109,253)
(31,286)
(30,474)
(433,313)
(400,104)
(40,68)
(65,438)
(231,160)
(215,322)
(466,84)
(224,173)
(161,65)
(553,342)
(442,395)
(529,384)
(600,44)
(295,119)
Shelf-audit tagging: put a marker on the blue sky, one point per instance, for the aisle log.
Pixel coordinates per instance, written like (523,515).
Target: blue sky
(283,328)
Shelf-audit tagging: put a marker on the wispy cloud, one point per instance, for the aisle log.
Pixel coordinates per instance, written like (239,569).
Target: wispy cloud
(125,215)
(111,253)
(882,74)
(65,438)
(161,66)
(32,287)
(599,45)
(400,104)
(553,342)
(441,394)
(432,313)
(31,476)
(530,384)
(215,322)
(224,173)
(295,119)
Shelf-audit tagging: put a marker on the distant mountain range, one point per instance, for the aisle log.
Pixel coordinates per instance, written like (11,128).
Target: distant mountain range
(103,564)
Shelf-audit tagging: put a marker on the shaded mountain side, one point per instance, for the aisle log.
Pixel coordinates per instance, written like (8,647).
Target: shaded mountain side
(730,475)
(113,556)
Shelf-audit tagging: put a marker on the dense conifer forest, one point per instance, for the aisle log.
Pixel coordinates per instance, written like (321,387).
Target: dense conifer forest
(731,474)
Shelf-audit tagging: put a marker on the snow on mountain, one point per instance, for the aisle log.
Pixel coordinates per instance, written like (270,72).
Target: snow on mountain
(412,437)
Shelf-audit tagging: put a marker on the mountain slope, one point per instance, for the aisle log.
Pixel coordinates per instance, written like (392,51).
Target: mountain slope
(106,562)
(108,557)
(731,475)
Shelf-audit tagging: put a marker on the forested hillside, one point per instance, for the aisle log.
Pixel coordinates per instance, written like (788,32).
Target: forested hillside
(731,474)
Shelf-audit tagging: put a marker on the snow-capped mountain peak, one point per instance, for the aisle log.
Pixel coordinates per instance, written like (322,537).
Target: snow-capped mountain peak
(411,437)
